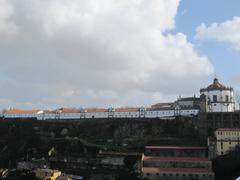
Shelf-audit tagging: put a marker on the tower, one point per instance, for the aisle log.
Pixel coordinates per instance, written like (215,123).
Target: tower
(219,98)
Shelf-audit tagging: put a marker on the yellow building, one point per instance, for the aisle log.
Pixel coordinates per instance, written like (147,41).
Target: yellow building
(226,139)
(47,174)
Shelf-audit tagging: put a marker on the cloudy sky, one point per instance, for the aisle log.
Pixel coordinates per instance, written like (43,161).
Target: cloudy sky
(91,53)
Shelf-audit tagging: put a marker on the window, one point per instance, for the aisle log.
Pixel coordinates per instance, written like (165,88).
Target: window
(227,98)
(183,176)
(214,98)
(196,176)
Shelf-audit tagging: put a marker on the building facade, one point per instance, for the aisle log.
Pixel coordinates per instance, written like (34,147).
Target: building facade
(176,163)
(226,139)
(214,98)
(218,98)
(47,174)
(102,113)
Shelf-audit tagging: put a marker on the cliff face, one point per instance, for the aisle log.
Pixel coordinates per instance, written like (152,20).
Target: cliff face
(93,130)
(19,137)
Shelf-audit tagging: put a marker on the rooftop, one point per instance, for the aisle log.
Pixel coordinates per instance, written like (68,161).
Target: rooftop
(128,109)
(189,99)
(176,147)
(94,110)
(216,86)
(228,129)
(189,159)
(22,111)
(179,170)
(69,110)
(48,170)
(112,153)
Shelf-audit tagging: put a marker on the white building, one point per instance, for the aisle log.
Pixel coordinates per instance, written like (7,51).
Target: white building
(226,139)
(219,98)
(19,113)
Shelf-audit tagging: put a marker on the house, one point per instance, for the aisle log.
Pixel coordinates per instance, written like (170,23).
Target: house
(176,163)
(47,174)
(226,139)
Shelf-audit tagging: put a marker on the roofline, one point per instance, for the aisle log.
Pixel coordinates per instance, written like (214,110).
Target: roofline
(179,170)
(188,159)
(228,129)
(216,89)
(175,147)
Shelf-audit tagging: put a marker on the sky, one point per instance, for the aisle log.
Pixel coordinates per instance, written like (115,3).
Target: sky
(93,53)
(194,13)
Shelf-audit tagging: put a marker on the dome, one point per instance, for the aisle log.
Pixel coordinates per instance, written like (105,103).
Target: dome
(216,86)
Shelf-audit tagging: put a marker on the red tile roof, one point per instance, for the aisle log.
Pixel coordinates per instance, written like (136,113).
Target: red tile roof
(94,110)
(172,170)
(129,109)
(160,108)
(162,105)
(48,111)
(69,110)
(157,158)
(176,147)
(21,111)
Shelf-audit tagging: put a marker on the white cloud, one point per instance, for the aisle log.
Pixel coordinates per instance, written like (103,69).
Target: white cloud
(228,31)
(98,53)
(7,27)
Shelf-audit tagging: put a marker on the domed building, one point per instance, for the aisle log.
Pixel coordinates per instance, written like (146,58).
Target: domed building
(219,98)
